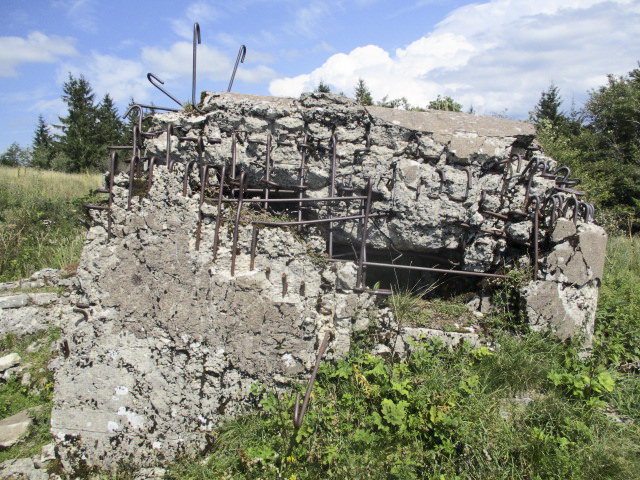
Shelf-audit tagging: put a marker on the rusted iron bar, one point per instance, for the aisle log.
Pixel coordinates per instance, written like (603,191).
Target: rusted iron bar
(237,223)
(240,59)
(267,172)
(254,243)
(367,146)
(196,36)
(319,220)
(285,285)
(535,201)
(298,415)
(135,160)
(434,270)
(151,77)
(332,188)
(303,157)
(469,186)
(219,214)
(204,175)
(152,164)
(363,238)
(185,178)
(294,200)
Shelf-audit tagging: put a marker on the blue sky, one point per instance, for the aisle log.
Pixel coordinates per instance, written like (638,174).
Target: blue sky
(497,56)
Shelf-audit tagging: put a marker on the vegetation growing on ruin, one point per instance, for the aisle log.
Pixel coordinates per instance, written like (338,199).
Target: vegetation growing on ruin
(527,407)
(17,395)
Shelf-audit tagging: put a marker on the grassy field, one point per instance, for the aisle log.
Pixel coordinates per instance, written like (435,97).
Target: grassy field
(39,225)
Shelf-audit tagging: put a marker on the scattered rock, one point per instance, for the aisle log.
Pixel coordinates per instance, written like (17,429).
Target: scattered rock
(9,361)
(13,428)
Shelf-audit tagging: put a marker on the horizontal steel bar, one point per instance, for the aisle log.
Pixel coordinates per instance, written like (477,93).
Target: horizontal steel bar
(294,200)
(434,270)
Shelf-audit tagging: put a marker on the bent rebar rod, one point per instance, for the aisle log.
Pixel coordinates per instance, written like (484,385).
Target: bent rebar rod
(240,59)
(196,36)
(151,76)
(298,415)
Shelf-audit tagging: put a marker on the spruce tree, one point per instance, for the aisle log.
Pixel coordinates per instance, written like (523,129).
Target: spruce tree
(322,87)
(362,93)
(80,141)
(548,108)
(111,128)
(43,146)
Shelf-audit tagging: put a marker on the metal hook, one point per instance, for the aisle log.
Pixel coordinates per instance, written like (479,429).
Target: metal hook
(298,415)
(240,59)
(151,77)
(196,36)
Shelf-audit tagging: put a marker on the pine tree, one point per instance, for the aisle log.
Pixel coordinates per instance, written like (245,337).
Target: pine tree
(80,141)
(362,93)
(447,103)
(322,87)
(111,128)
(43,146)
(548,108)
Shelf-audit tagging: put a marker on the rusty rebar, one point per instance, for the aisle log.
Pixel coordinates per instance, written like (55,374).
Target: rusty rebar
(363,239)
(151,77)
(236,225)
(196,36)
(240,59)
(219,214)
(254,243)
(298,415)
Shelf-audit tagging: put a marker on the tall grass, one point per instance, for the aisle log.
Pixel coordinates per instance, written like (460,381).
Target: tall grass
(39,213)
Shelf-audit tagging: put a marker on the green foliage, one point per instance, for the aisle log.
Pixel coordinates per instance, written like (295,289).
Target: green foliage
(617,339)
(43,146)
(362,94)
(39,225)
(15,156)
(445,103)
(322,87)
(15,397)
(442,413)
(603,147)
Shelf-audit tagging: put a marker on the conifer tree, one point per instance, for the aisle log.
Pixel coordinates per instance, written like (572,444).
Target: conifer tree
(110,126)
(362,93)
(322,87)
(80,141)
(43,146)
(548,108)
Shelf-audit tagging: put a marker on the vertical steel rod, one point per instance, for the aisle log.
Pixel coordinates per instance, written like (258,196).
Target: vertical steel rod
(332,187)
(219,215)
(237,223)
(254,242)
(363,244)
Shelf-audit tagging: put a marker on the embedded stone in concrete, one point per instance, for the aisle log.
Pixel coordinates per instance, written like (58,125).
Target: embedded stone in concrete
(14,301)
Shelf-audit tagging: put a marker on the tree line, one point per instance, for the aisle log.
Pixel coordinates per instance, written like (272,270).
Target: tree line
(79,142)
(600,143)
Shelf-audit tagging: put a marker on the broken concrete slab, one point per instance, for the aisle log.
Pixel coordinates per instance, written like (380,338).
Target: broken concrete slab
(13,428)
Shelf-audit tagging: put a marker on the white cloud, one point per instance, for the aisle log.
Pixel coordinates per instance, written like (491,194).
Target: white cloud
(119,77)
(495,55)
(81,13)
(36,48)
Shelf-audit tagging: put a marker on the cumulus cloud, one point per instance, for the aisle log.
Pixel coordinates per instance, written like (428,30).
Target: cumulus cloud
(36,48)
(495,55)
